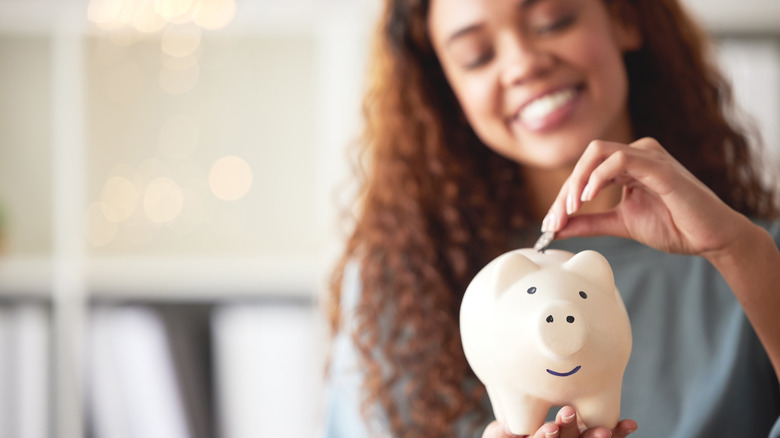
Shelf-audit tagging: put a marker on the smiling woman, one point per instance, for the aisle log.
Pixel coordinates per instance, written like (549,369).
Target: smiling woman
(486,119)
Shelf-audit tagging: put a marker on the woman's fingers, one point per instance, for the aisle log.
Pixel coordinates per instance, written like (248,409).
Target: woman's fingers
(624,428)
(605,163)
(566,425)
(596,153)
(641,162)
(598,432)
(596,224)
(499,430)
(567,419)
(569,199)
(549,430)
(570,427)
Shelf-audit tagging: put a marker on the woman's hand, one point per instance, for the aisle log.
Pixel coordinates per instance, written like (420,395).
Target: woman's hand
(565,426)
(663,205)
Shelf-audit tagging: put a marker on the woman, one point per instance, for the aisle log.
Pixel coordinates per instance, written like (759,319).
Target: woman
(488,118)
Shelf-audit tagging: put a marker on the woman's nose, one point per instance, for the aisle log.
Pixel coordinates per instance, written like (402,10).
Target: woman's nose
(523,60)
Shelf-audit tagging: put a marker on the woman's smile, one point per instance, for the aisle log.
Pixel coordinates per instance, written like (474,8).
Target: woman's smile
(548,110)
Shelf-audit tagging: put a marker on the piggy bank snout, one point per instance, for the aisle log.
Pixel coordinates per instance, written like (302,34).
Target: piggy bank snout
(562,329)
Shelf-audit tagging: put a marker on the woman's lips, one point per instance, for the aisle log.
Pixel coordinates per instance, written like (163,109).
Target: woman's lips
(549,110)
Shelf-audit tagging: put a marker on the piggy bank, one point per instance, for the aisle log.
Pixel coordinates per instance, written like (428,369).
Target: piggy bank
(547,329)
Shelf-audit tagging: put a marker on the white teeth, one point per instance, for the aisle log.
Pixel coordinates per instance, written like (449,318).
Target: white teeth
(546,104)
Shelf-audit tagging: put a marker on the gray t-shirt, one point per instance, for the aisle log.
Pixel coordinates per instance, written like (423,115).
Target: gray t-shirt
(697,368)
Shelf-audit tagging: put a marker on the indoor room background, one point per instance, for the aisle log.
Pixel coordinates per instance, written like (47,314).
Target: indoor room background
(173,175)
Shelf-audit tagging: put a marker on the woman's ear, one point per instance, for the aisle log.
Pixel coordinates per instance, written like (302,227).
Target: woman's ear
(625,26)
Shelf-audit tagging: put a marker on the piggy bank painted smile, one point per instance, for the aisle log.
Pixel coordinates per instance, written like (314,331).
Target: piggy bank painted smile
(547,329)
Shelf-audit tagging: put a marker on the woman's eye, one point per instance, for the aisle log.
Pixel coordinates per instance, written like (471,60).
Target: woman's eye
(480,60)
(556,25)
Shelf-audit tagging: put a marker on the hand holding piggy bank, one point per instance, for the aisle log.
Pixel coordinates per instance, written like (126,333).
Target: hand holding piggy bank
(547,329)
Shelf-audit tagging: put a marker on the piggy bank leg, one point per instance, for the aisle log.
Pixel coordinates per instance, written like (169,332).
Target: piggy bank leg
(601,410)
(523,414)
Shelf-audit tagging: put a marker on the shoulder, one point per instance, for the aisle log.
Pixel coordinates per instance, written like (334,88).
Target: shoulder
(344,399)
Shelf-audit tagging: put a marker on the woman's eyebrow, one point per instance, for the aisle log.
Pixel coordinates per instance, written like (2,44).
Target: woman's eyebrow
(523,4)
(463,32)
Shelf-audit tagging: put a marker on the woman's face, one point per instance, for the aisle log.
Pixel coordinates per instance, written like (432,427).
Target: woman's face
(537,79)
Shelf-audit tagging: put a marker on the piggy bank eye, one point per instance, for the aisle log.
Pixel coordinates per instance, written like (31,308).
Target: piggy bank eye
(583,295)
(531,290)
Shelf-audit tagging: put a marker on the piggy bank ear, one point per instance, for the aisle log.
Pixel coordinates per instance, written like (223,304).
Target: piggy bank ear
(510,268)
(593,267)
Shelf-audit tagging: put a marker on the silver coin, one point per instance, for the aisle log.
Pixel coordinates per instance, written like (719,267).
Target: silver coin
(544,241)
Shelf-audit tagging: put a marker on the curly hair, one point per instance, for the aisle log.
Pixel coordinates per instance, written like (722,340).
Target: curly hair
(436,204)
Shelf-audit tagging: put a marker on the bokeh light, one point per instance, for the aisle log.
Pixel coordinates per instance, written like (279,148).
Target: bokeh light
(119,199)
(163,200)
(146,19)
(172,9)
(110,14)
(230,178)
(153,15)
(181,40)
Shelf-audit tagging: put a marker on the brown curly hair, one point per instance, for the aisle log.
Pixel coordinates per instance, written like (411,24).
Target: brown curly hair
(436,204)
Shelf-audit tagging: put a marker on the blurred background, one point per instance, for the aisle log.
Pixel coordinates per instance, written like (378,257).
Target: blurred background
(171,178)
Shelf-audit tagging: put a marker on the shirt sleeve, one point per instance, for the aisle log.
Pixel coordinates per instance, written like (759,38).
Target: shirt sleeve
(343,415)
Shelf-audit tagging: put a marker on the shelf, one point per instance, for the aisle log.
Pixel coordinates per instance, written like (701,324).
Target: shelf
(178,279)
(201,278)
(25,276)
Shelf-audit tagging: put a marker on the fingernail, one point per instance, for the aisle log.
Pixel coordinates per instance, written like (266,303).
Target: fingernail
(571,204)
(551,434)
(586,193)
(550,222)
(570,418)
(558,222)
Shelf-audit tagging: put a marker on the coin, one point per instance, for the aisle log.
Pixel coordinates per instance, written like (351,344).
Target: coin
(544,241)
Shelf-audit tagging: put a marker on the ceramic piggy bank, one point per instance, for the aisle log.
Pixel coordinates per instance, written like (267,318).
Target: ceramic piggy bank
(547,329)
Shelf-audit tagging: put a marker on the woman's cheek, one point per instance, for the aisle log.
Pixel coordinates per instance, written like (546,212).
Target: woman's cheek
(483,103)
